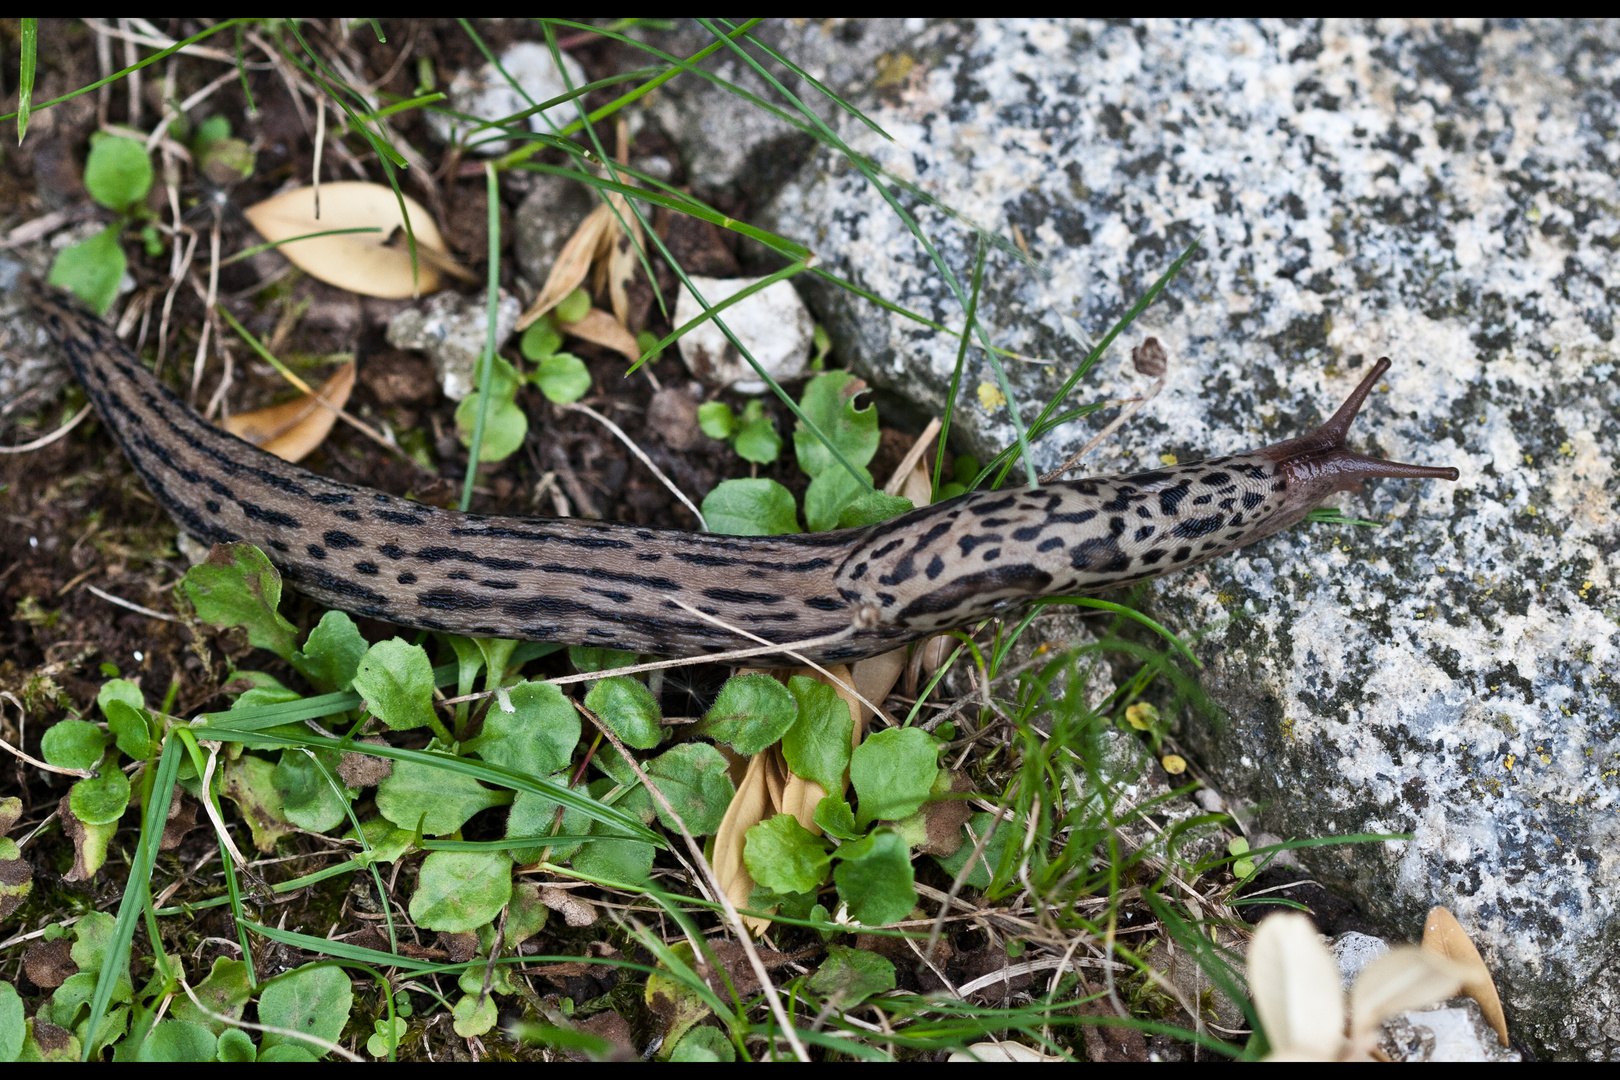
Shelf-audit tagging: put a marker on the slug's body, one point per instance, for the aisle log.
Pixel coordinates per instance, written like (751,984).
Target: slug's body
(624,587)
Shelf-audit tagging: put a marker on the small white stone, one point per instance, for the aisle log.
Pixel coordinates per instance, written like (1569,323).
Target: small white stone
(452,329)
(773,324)
(489,95)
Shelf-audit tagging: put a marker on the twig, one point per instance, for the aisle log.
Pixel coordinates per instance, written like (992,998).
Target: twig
(732,918)
(643,458)
(38,764)
(131,605)
(877,710)
(46,440)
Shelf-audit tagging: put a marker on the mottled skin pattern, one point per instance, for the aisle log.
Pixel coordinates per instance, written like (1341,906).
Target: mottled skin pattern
(622,587)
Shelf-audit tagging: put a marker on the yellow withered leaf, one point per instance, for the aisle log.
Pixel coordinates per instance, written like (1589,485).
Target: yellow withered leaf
(371,264)
(1444,935)
(294,428)
(600,328)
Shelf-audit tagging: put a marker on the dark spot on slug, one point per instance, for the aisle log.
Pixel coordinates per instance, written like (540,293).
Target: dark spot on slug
(336,538)
(1050,544)
(1027,533)
(393,551)
(1153,556)
(316,551)
(367,568)
(1193,528)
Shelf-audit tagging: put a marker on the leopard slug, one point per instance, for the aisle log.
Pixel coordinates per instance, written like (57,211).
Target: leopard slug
(625,587)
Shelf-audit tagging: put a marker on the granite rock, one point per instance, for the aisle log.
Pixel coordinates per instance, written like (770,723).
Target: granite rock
(1442,193)
(452,329)
(490,95)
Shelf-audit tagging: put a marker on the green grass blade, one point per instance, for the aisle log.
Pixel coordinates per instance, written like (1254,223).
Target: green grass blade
(478,770)
(956,372)
(116,960)
(25,82)
(817,83)
(1104,605)
(404,106)
(115,76)
(945,272)
(252,110)
(486,362)
(248,253)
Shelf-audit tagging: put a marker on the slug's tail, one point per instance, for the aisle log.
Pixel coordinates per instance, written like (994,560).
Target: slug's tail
(1321,458)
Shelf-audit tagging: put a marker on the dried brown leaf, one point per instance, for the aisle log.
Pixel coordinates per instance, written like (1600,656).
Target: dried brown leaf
(600,328)
(573,263)
(748,808)
(623,261)
(1444,936)
(50,963)
(294,428)
(370,264)
(575,910)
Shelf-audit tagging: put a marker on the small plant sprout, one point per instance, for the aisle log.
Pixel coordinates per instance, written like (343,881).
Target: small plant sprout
(1295,984)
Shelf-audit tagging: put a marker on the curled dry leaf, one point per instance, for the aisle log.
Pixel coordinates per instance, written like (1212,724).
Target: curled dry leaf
(1406,977)
(573,262)
(600,328)
(1295,986)
(748,807)
(622,264)
(1001,1051)
(1444,936)
(294,428)
(371,264)
(576,911)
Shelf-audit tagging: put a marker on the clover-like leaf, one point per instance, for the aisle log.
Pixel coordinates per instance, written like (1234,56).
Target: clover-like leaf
(332,654)
(693,777)
(73,744)
(537,739)
(784,856)
(893,773)
(117,172)
(874,878)
(440,799)
(817,745)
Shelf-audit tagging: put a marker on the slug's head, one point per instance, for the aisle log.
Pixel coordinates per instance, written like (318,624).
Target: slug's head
(1317,465)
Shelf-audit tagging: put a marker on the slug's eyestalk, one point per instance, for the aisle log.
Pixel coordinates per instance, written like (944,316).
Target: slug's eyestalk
(1317,465)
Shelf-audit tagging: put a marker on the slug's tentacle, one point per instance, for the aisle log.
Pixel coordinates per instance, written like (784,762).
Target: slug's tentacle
(619,586)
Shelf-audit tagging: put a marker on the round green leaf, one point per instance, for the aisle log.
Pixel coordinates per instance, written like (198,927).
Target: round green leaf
(461,890)
(629,710)
(874,878)
(12,1025)
(178,1040)
(591,658)
(817,745)
(474,1015)
(750,713)
(73,744)
(313,1000)
(784,856)
(396,681)
(704,1043)
(92,269)
(716,419)
(130,727)
(333,652)
(624,861)
(979,874)
(750,508)
(377,1045)
(829,402)
(505,426)
(536,740)
(236,1046)
(830,494)
(119,690)
(871,508)
(693,777)
(117,173)
(540,340)
(893,772)
(574,306)
(286,1053)
(308,798)
(563,378)
(100,800)
(853,975)
(440,799)
(238,586)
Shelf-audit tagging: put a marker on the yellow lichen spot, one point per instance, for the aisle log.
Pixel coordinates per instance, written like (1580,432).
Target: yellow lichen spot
(1167,459)
(1545,760)
(1141,716)
(1566,449)
(991,397)
(1528,460)
(1174,764)
(1530,510)
(893,69)
(1507,762)
(1287,728)
(1586,588)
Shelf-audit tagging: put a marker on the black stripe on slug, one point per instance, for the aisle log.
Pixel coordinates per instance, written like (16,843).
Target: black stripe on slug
(268,516)
(336,538)
(1193,528)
